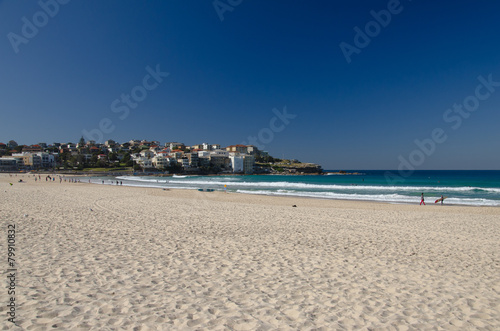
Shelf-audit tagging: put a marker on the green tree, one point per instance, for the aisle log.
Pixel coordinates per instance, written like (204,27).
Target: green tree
(64,157)
(102,164)
(73,161)
(126,158)
(174,168)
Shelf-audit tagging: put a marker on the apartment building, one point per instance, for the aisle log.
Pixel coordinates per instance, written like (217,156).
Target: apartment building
(237,148)
(236,162)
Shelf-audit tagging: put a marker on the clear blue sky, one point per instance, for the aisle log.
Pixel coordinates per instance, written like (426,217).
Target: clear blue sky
(226,76)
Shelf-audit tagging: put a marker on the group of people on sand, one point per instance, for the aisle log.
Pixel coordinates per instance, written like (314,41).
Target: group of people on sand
(111,182)
(52,178)
(422,201)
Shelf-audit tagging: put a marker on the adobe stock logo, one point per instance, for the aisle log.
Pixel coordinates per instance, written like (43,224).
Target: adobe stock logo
(30,29)
(276,124)
(428,146)
(122,105)
(372,29)
(222,6)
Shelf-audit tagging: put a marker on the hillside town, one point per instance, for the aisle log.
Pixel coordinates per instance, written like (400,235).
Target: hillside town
(147,156)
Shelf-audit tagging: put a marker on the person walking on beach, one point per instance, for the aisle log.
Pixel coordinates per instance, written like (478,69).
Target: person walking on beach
(422,200)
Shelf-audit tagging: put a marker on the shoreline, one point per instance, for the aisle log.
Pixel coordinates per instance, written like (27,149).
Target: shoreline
(354,202)
(220,195)
(417,201)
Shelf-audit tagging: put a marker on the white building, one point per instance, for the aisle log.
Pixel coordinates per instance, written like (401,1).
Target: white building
(173,145)
(144,162)
(184,162)
(248,164)
(220,152)
(10,163)
(176,155)
(203,153)
(162,161)
(147,153)
(236,162)
(134,143)
(36,160)
(47,160)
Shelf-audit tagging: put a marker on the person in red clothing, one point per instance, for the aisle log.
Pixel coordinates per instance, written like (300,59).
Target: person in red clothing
(422,200)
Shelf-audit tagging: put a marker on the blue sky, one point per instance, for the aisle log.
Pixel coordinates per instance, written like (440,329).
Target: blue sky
(225,77)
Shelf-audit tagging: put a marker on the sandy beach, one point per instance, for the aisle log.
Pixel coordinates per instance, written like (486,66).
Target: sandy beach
(104,257)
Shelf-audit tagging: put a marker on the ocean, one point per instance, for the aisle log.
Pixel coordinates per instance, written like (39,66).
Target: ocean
(474,188)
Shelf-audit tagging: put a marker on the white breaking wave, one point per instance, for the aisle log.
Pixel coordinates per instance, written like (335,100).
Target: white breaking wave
(281,185)
(392,194)
(375,197)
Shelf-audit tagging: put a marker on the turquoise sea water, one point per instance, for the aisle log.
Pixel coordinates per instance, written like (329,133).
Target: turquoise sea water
(478,188)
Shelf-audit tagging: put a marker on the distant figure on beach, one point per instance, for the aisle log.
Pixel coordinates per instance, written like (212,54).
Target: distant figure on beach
(442,199)
(422,200)
(121,182)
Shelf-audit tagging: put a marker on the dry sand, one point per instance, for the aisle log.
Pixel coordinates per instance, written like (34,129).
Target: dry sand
(102,257)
